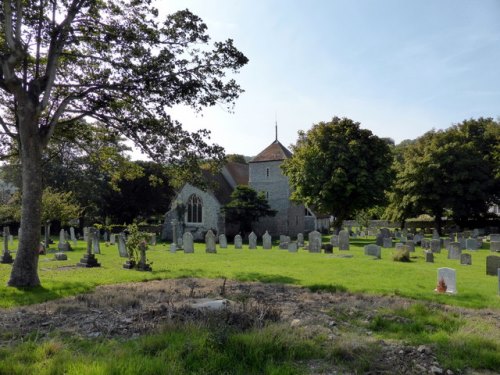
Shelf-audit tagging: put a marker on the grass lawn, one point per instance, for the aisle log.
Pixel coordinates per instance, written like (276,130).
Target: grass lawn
(359,273)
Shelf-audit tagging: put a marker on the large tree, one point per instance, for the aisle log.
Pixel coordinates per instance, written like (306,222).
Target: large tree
(454,170)
(339,168)
(108,60)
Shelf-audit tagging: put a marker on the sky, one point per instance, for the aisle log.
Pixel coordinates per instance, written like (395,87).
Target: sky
(399,68)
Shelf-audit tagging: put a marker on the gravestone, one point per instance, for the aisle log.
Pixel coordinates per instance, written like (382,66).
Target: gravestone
(387,243)
(223,241)
(63,244)
(362,234)
(315,242)
(495,246)
(187,242)
(450,279)
(152,240)
(267,241)
(210,242)
(435,235)
(446,243)
(6,257)
(105,237)
(429,256)
(343,240)
(300,239)
(122,246)
(174,234)
(95,241)
(461,241)
(252,241)
(379,241)
(86,234)
(60,256)
(494,237)
(334,240)
(112,239)
(417,238)
(89,260)
(284,240)
(143,264)
(292,247)
(492,264)
(386,233)
(466,259)
(72,234)
(471,244)
(411,246)
(373,250)
(435,245)
(454,251)
(238,242)
(11,240)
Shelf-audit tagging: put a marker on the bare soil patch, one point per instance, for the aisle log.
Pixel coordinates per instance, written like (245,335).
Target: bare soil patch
(129,310)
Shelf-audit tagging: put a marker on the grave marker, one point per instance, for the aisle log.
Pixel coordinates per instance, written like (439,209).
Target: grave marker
(187,242)
(267,241)
(210,246)
(252,241)
(373,250)
(223,241)
(315,242)
(492,264)
(450,278)
(238,242)
(343,240)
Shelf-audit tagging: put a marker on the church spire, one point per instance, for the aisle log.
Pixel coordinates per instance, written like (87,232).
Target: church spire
(276,127)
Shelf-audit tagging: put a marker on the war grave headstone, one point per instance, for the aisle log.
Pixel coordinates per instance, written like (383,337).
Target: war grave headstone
(252,241)
(300,240)
(89,260)
(6,257)
(435,245)
(492,264)
(343,240)
(334,240)
(465,259)
(95,241)
(373,250)
(223,241)
(267,243)
(238,242)
(315,242)
(454,251)
(450,278)
(387,243)
(429,256)
(187,243)
(210,242)
(292,247)
(122,246)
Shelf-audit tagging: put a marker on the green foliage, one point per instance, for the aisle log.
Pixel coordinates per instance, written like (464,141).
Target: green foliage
(236,158)
(339,168)
(136,239)
(247,206)
(401,256)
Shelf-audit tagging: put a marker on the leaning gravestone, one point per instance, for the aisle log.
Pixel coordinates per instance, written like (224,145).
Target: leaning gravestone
(267,241)
(210,242)
(450,279)
(315,242)
(223,241)
(495,246)
(436,245)
(252,241)
(454,251)
(122,246)
(238,242)
(334,240)
(373,250)
(429,256)
(300,239)
(492,264)
(387,243)
(465,259)
(187,242)
(343,240)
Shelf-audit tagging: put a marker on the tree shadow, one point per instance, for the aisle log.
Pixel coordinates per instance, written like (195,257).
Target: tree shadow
(265,278)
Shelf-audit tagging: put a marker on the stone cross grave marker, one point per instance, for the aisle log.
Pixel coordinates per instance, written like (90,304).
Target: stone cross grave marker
(188,243)
(223,241)
(450,279)
(122,246)
(343,240)
(314,242)
(210,242)
(267,241)
(492,264)
(238,242)
(252,241)
(373,250)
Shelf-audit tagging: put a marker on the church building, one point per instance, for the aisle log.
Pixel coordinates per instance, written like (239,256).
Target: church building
(197,210)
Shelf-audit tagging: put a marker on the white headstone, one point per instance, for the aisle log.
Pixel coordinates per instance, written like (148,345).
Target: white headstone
(450,279)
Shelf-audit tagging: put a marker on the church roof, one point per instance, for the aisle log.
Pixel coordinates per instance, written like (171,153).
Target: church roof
(274,152)
(223,185)
(239,172)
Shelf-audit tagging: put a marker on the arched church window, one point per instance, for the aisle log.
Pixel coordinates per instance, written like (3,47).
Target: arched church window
(194,209)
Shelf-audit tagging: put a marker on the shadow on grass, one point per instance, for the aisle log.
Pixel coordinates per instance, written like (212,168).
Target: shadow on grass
(329,288)
(256,276)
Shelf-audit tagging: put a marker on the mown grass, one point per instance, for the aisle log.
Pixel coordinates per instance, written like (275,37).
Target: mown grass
(359,273)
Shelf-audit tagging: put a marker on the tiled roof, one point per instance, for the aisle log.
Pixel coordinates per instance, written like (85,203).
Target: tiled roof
(274,152)
(239,172)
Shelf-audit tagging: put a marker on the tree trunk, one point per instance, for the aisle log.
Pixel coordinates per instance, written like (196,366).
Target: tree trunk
(438,222)
(25,269)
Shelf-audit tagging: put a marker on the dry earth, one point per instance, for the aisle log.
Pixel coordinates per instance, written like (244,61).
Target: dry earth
(129,310)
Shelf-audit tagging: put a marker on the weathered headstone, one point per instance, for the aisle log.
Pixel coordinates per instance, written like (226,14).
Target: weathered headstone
(95,241)
(435,235)
(446,243)
(238,242)
(465,259)
(492,264)
(187,242)
(429,256)
(373,250)
(399,246)
(86,233)
(315,242)
(292,247)
(223,241)
(6,257)
(152,240)
(300,239)
(174,233)
(436,245)
(343,240)
(379,241)
(112,238)
(454,251)
(461,241)
(494,237)
(334,240)
(411,246)
(89,260)
(11,240)
(267,241)
(417,238)
(72,234)
(210,242)
(105,236)
(122,247)
(471,244)
(143,264)
(62,241)
(495,246)
(252,241)
(450,278)
(387,243)
(284,240)
(60,256)
(386,233)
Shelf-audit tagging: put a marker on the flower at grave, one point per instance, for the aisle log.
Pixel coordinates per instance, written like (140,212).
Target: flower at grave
(441,286)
